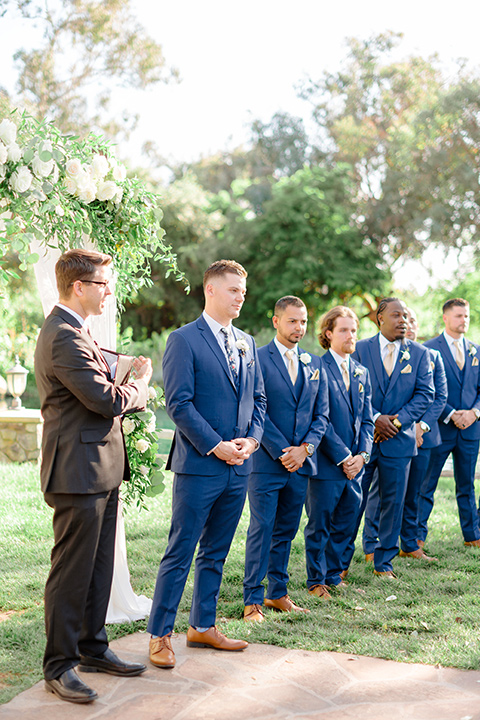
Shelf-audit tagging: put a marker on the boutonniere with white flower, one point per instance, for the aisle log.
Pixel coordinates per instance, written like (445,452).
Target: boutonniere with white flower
(358,372)
(405,355)
(305,358)
(242,346)
(472,350)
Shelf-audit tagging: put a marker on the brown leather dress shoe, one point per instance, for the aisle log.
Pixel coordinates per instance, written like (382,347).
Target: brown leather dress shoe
(472,543)
(344,574)
(418,555)
(69,687)
(340,586)
(421,543)
(320,591)
(283,604)
(213,638)
(369,557)
(161,652)
(385,574)
(253,613)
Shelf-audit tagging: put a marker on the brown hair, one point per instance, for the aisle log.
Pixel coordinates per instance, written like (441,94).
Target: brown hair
(75,265)
(455,302)
(222,267)
(284,302)
(327,322)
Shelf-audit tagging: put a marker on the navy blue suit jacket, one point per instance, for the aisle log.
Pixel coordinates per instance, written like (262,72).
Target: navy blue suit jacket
(350,429)
(433,438)
(463,388)
(289,421)
(203,402)
(408,392)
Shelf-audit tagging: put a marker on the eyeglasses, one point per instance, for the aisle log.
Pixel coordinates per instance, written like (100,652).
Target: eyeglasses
(103,283)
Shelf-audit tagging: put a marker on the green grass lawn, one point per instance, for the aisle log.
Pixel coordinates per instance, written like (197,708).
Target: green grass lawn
(430,615)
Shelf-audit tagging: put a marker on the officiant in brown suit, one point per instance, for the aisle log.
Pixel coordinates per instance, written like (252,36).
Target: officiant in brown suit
(83,463)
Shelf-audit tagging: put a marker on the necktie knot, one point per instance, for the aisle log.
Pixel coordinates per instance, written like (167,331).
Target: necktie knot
(292,367)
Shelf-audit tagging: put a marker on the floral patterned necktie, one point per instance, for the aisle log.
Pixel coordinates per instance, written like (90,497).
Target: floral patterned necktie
(230,358)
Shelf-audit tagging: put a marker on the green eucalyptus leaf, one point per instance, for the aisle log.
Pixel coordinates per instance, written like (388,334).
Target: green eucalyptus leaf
(33,258)
(45,155)
(28,155)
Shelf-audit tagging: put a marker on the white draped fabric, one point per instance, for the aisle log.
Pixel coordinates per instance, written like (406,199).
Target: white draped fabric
(124,605)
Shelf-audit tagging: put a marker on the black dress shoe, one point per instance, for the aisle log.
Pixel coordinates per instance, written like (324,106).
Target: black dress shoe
(68,686)
(111,664)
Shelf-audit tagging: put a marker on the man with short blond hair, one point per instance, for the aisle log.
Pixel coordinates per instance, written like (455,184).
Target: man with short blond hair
(214,394)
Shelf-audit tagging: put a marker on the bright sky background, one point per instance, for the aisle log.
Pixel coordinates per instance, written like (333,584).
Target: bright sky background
(240,61)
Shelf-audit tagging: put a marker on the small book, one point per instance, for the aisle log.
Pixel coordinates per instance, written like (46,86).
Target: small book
(120,366)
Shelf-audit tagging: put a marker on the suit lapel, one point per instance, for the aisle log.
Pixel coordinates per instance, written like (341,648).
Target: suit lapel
(242,362)
(72,320)
(212,343)
(335,371)
(468,363)
(377,361)
(305,369)
(355,381)
(448,357)
(280,364)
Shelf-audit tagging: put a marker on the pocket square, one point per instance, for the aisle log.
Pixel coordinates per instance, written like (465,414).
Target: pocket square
(406,369)
(360,388)
(432,366)
(474,361)
(315,375)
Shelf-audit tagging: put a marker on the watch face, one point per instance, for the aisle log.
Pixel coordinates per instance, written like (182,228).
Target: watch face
(310,448)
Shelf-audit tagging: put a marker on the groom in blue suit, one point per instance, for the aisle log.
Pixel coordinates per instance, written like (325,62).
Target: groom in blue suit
(334,493)
(214,394)
(459,426)
(402,390)
(296,418)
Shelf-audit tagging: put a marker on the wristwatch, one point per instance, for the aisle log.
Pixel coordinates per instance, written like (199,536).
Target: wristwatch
(397,423)
(310,448)
(365,456)
(424,427)
(477,413)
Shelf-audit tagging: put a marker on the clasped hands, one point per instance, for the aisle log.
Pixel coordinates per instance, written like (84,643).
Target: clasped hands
(235,452)
(352,466)
(293,457)
(463,418)
(142,368)
(384,428)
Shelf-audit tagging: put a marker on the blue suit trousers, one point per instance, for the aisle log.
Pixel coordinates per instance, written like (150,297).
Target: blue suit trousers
(332,508)
(276,504)
(205,510)
(465,454)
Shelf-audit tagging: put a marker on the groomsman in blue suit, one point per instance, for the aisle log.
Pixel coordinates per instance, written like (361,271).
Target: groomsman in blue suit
(296,418)
(334,493)
(428,437)
(402,390)
(214,394)
(459,429)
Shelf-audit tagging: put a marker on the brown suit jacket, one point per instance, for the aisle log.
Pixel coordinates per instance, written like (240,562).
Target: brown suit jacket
(83,450)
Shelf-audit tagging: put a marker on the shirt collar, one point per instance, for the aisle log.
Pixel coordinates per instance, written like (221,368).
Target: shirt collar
(339,359)
(384,342)
(282,349)
(78,317)
(215,326)
(450,340)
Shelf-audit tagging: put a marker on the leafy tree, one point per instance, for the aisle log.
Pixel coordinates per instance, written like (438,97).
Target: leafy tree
(412,136)
(304,243)
(85,43)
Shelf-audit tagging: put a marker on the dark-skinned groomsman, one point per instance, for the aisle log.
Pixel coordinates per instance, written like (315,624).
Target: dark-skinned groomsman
(459,429)
(428,437)
(334,494)
(402,390)
(295,421)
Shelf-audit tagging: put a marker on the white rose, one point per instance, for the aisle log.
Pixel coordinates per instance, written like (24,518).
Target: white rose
(3,171)
(3,153)
(73,167)
(142,445)
(128,426)
(14,152)
(56,174)
(305,358)
(100,166)
(106,190)
(144,470)
(41,168)
(152,425)
(59,210)
(21,179)
(87,193)
(70,185)
(119,173)
(152,393)
(8,131)
(119,196)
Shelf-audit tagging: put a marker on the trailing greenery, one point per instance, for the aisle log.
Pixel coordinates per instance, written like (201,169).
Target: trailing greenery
(429,616)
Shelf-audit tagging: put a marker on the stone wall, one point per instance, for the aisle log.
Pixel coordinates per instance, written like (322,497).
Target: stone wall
(20,435)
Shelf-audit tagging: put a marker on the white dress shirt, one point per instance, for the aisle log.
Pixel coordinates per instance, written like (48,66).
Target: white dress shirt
(216,329)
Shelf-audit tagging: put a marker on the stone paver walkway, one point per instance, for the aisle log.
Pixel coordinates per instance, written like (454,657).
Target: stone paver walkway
(263,683)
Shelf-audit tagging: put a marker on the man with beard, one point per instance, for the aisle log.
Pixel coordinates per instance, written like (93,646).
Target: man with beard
(334,493)
(402,390)
(459,429)
(295,421)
